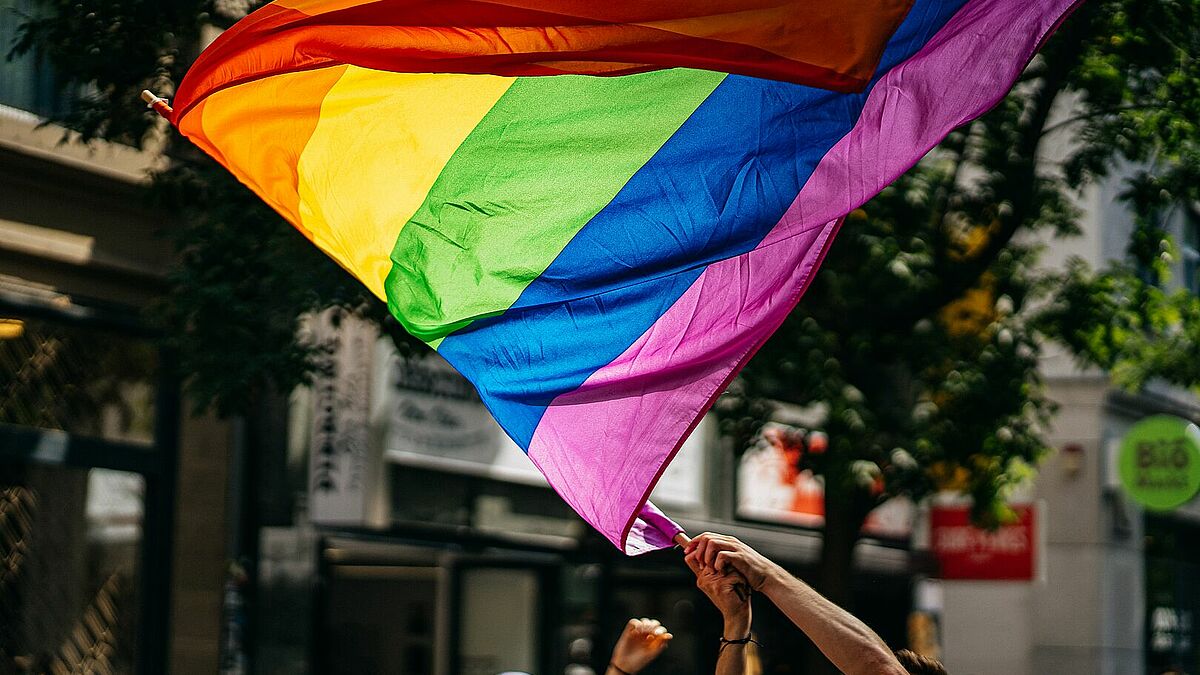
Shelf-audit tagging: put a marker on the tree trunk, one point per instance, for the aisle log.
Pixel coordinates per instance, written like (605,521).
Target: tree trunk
(835,571)
(845,511)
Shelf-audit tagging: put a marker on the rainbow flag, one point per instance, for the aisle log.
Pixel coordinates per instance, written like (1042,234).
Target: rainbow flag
(598,255)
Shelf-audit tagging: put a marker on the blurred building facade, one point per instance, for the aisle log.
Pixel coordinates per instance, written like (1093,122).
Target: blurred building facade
(112,497)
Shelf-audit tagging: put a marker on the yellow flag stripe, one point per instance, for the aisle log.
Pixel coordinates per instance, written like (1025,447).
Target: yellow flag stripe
(381,142)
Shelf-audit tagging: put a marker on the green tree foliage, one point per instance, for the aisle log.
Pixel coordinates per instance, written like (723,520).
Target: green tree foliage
(106,53)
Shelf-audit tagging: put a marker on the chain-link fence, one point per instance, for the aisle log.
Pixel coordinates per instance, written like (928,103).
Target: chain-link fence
(68,560)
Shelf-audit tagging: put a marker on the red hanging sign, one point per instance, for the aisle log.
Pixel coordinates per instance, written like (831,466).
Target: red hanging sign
(968,552)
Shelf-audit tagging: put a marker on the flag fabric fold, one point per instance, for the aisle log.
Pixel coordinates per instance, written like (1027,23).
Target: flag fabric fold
(827,44)
(598,255)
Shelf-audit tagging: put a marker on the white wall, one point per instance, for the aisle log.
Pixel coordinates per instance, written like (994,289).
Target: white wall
(986,628)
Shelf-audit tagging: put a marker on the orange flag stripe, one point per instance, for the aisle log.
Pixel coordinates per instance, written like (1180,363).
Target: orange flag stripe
(262,144)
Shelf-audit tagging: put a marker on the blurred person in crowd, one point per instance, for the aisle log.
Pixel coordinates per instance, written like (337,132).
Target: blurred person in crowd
(919,665)
(579,654)
(847,642)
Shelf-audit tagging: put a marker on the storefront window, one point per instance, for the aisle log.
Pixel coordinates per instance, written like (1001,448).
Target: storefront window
(70,542)
(381,609)
(26,82)
(672,599)
(579,639)
(81,380)
(1172,596)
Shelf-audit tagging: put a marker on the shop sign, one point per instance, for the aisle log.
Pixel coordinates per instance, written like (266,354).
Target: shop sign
(965,551)
(1159,462)
(431,417)
(342,474)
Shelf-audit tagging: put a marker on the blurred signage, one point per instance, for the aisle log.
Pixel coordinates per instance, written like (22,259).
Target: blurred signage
(1171,630)
(772,487)
(430,416)
(965,551)
(342,474)
(115,502)
(1159,462)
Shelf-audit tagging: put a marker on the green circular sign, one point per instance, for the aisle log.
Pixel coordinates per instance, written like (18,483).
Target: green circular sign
(1159,463)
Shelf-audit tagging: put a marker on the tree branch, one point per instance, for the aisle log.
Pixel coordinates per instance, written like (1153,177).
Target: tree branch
(1021,172)
(1093,114)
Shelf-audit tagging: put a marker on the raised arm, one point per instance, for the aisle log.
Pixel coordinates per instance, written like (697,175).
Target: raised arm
(847,642)
(730,594)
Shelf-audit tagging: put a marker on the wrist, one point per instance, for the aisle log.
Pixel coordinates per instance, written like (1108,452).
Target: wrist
(773,579)
(737,624)
(616,669)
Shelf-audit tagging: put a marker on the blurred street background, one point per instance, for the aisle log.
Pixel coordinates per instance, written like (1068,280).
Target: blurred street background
(218,455)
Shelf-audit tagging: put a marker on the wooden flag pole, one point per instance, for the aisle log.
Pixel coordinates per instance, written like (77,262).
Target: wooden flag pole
(681,539)
(159,105)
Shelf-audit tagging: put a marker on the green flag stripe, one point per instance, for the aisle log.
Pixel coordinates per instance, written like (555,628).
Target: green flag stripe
(545,159)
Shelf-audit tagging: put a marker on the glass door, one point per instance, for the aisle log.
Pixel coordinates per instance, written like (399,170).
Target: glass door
(500,621)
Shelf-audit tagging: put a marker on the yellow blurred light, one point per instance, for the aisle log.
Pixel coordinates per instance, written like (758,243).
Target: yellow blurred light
(11,329)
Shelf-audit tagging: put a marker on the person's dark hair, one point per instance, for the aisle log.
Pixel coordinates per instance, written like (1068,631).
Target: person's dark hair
(920,665)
